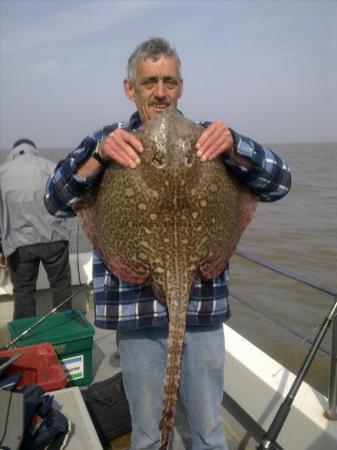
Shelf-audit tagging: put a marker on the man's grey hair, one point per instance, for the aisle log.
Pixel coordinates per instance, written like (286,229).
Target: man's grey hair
(152,48)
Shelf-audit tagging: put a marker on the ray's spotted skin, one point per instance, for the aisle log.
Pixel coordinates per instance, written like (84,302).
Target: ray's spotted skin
(171,219)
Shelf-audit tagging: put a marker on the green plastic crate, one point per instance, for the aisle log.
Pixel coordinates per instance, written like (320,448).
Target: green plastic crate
(71,335)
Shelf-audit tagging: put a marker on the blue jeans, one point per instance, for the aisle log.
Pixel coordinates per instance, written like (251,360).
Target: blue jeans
(143,361)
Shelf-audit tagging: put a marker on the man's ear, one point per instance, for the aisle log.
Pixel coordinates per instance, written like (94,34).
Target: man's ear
(129,90)
(180,93)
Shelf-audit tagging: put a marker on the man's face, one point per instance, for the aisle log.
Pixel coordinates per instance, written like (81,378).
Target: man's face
(156,87)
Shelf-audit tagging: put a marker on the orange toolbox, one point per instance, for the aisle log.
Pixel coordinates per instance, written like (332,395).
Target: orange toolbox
(38,364)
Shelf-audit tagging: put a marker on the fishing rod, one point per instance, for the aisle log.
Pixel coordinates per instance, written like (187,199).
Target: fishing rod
(269,438)
(24,333)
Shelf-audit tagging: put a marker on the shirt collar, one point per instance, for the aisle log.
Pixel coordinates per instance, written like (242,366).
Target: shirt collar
(134,121)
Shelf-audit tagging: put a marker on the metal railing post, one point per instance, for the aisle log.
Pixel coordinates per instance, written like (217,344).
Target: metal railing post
(332,393)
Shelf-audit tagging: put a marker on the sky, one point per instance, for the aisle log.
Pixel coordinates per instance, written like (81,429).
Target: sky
(267,69)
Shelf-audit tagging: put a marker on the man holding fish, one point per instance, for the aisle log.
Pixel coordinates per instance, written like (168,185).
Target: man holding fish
(127,296)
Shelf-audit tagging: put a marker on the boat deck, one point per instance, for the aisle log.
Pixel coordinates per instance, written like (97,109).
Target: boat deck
(248,405)
(105,364)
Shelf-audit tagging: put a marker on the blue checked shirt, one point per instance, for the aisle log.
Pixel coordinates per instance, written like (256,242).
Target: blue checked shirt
(125,306)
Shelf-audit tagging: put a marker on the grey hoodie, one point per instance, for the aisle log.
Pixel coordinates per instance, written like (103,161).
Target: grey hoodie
(24,219)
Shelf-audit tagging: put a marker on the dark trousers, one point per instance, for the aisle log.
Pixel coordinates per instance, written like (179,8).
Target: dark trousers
(24,269)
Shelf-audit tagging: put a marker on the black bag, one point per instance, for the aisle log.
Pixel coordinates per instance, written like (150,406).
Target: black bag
(29,422)
(45,426)
(108,408)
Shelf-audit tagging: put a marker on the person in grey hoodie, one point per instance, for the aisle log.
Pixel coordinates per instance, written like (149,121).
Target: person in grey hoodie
(29,234)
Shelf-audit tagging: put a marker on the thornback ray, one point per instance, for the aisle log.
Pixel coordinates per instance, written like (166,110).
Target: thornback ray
(169,222)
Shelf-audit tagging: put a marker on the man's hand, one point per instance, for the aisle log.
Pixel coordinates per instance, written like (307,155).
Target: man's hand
(3,261)
(122,147)
(214,141)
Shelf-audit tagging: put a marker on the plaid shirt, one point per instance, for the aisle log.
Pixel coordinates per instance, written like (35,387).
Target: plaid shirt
(124,306)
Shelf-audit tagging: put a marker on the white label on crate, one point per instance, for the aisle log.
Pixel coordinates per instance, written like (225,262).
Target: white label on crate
(74,367)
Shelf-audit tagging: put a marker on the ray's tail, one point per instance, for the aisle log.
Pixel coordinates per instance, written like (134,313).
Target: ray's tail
(177,308)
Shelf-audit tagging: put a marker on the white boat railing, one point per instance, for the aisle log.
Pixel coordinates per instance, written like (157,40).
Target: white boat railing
(331,413)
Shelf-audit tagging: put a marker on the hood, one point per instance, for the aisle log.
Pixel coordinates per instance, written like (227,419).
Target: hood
(22,149)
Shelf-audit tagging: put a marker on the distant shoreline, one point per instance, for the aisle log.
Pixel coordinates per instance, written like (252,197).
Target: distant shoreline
(268,144)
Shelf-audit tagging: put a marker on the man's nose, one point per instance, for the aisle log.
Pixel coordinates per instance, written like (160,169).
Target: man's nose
(160,91)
